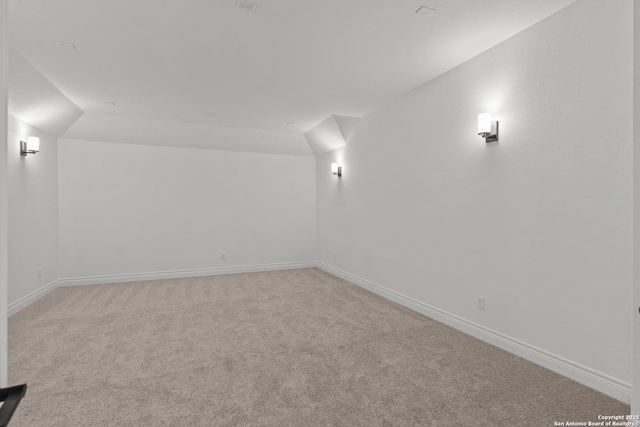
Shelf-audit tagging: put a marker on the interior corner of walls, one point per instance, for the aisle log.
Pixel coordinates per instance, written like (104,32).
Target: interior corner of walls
(34,296)
(31,298)
(347,126)
(181,274)
(33,211)
(70,125)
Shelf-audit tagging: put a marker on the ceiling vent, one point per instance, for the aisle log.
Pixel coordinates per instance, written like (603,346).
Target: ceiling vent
(66,45)
(425,11)
(247,5)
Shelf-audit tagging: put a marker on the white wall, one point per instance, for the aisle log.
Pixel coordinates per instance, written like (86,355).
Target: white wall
(128,208)
(635,403)
(33,211)
(539,223)
(4,197)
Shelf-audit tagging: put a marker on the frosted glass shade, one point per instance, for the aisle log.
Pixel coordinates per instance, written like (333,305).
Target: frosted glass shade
(334,168)
(33,144)
(484,123)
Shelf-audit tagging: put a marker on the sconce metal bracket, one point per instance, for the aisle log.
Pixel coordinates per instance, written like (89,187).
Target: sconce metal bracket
(23,149)
(493,136)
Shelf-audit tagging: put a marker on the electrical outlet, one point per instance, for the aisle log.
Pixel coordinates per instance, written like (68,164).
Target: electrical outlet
(39,272)
(334,256)
(223,256)
(480,302)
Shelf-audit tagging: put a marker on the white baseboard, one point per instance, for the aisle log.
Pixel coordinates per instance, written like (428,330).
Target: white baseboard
(15,307)
(591,378)
(136,277)
(179,274)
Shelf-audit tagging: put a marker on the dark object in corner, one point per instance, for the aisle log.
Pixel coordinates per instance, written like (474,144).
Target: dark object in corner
(11,397)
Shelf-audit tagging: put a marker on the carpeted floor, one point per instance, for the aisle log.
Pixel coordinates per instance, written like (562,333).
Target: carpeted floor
(282,348)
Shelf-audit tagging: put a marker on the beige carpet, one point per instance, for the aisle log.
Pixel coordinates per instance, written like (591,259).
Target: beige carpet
(283,348)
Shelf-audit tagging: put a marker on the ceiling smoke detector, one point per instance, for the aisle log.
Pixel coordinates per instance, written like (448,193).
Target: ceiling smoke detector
(247,5)
(425,11)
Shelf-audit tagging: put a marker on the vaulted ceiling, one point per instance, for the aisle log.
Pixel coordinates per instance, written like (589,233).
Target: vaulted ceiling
(282,68)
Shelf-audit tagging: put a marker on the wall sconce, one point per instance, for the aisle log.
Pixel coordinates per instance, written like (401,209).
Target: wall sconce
(486,128)
(336,169)
(31,146)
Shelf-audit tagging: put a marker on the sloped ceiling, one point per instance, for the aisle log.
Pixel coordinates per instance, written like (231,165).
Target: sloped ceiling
(283,68)
(35,100)
(102,127)
(330,134)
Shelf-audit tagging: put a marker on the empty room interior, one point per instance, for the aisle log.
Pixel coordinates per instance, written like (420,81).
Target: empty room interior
(336,212)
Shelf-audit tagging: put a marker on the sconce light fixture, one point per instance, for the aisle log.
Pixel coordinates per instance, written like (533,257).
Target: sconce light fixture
(486,128)
(30,146)
(336,169)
